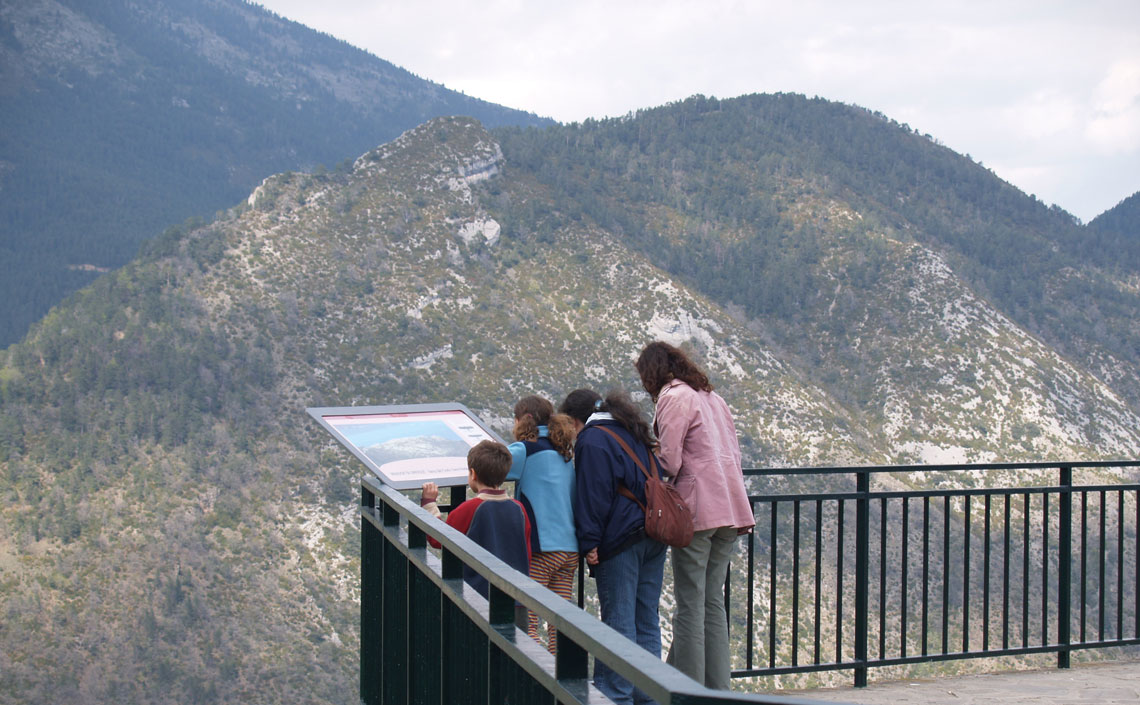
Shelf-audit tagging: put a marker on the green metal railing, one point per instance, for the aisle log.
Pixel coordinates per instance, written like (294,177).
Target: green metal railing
(428,637)
(835,579)
(859,577)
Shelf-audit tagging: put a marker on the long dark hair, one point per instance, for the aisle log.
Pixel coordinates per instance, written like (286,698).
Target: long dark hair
(581,403)
(534,411)
(660,363)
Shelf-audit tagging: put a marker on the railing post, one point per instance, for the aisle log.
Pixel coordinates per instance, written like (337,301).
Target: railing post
(1064,565)
(425,630)
(371,616)
(394,605)
(862,575)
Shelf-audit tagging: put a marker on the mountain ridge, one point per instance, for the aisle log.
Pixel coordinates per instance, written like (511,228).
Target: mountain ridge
(181,531)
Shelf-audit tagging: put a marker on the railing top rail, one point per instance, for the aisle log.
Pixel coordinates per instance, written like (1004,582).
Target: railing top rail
(659,680)
(963,467)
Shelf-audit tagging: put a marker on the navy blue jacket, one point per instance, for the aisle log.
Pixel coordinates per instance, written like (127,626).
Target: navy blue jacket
(604,518)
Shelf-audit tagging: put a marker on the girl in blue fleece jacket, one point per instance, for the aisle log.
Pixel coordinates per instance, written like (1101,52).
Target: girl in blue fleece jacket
(541,465)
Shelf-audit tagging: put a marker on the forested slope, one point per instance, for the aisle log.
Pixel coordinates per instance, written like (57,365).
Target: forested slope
(740,198)
(175,528)
(121,119)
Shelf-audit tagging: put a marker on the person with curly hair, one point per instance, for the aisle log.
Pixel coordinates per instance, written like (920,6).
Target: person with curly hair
(698,447)
(542,466)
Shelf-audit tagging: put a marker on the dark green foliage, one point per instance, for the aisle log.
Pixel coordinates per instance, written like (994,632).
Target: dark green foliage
(1113,237)
(103,154)
(126,389)
(711,190)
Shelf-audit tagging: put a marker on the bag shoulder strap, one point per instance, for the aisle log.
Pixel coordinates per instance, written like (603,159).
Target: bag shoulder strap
(629,451)
(623,490)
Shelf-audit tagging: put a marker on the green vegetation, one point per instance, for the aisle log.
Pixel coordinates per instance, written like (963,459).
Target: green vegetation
(176,529)
(738,198)
(184,110)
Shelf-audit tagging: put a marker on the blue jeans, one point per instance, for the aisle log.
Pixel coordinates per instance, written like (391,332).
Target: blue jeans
(629,590)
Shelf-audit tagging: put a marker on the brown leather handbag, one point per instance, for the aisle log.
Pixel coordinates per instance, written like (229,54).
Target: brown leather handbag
(667,518)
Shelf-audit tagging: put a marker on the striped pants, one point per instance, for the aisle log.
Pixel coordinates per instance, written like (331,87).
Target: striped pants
(554,570)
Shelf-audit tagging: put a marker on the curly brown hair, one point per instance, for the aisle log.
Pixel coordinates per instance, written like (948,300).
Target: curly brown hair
(534,411)
(660,363)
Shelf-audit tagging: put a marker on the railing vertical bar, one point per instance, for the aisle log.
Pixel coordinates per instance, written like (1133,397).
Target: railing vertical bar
(1120,565)
(966,575)
(581,582)
(1026,541)
(839,582)
(1045,568)
(1100,573)
(772,590)
(925,572)
(883,578)
(451,565)
(1064,566)
(750,602)
(727,593)
(986,578)
(862,574)
(371,616)
(1136,560)
(796,583)
(903,584)
(500,607)
(571,660)
(426,623)
(946,576)
(818,572)
(1084,563)
(1005,579)
(395,608)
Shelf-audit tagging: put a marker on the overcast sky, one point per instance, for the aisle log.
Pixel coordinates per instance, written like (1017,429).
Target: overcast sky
(1046,93)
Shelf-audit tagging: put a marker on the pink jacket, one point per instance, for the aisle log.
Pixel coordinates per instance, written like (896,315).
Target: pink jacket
(699,447)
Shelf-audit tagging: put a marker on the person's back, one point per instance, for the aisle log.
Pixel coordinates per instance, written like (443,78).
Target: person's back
(607,520)
(502,528)
(627,565)
(491,519)
(543,469)
(548,485)
(698,447)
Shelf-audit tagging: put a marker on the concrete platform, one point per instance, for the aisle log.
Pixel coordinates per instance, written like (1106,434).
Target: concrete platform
(1086,684)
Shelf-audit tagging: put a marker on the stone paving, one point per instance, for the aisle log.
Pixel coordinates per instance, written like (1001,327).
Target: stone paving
(1085,684)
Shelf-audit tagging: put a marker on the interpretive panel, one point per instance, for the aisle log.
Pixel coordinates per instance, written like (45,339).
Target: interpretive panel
(408,445)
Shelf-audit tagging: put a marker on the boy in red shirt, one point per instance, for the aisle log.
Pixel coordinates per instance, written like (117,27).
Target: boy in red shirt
(491,519)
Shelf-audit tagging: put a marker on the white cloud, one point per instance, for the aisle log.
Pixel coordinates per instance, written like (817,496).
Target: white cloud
(1044,114)
(1115,124)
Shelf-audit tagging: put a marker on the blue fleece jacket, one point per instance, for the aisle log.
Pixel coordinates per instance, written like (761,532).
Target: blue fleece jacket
(605,519)
(545,484)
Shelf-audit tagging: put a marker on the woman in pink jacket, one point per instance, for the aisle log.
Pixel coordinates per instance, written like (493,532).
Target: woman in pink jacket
(698,447)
